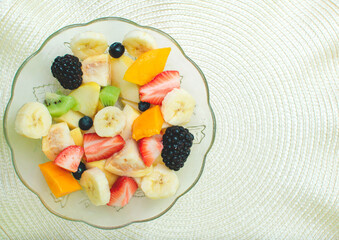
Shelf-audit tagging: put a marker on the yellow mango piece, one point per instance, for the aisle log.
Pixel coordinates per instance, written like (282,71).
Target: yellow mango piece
(119,66)
(87,95)
(149,123)
(100,106)
(77,136)
(134,105)
(60,181)
(147,66)
(71,118)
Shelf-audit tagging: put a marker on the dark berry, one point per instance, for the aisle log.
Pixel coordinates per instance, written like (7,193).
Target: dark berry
(116,50)
(67,70)
(79,172)
(177,142)
(85,123)
(143,106)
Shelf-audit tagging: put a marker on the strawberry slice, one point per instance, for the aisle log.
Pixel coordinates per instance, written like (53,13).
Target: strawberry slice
(99,148)
(122,191)
(150,148)
(70,158)
(156,90)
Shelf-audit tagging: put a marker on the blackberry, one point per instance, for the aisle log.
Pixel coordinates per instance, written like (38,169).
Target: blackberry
(177,143)
(67,70)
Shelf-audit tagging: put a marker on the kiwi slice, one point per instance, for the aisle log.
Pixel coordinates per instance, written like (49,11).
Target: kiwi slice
(76,106)
(58,104)
(109,95)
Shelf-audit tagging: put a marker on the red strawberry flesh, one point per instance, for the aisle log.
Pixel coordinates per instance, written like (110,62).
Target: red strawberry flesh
(99,148)
(150,148)
(122,191)
(70,158)
(155,91)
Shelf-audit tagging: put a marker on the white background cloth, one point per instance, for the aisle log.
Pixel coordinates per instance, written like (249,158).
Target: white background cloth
(272,68)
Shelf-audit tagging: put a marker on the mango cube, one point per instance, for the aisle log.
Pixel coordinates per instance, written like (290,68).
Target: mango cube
(77,136)
(149,123)
(60,181)
(147,66)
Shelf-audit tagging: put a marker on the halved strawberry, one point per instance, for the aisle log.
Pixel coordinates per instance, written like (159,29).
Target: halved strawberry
(156,90)
(99,148)
(150,148)
(122,191)
(70,158)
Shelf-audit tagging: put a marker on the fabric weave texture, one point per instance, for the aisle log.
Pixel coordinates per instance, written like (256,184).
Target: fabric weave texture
(273,71)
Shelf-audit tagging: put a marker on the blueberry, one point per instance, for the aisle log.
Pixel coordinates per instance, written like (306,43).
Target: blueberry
(80,171)
(143,106)
(85,123)
(116,50)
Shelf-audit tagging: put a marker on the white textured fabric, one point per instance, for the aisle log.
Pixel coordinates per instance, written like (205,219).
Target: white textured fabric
(272,68)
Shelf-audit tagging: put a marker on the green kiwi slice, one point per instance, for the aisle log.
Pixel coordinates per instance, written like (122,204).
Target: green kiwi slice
(109,95)
(58,104)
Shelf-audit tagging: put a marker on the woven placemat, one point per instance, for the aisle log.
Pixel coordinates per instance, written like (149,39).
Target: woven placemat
(273,71)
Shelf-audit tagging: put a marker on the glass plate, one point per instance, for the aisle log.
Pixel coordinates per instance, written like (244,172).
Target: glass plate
(34,78)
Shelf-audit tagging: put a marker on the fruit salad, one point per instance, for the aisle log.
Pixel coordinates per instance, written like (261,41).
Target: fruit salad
(120,128)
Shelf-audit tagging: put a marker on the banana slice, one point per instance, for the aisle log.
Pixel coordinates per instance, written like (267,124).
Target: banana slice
(33,120)
(138,42)
(161,183)
(128,162)
(111,178)
(177,107)
(109,121)
(131,114)
(96,186)
(58,138)
(88,44)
